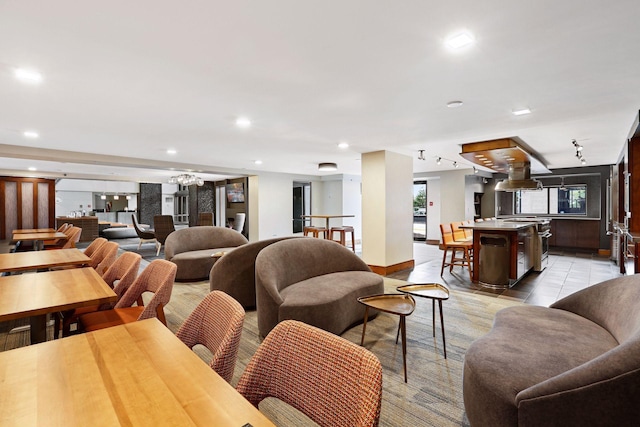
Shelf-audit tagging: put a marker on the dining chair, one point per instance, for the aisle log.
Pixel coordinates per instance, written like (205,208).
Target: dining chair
(94,245)
(216,323)
(146,236)
(238,223)
(104,257)
(73,236)
(328,378)
(205,218)
(163,226)
(157,278)
(119,276)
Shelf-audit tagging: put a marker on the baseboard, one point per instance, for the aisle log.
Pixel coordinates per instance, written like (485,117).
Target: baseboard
(383,271)
(432,242)
(604,252)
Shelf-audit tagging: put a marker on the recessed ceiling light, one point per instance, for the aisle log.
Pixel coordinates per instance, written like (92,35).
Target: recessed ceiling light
(454,104)
(32,168)
(171,151)
(459,40)
(30,134)
(27,76)
(243,122)
(258,162)
(343,145)
(521,112)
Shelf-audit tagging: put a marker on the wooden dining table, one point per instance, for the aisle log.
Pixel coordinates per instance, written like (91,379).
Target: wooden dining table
(38,238)
(34,260)
(327,217)
(136,374)
(34,230)
(38,294)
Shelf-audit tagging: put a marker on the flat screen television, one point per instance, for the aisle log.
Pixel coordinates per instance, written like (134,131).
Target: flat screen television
(235,192)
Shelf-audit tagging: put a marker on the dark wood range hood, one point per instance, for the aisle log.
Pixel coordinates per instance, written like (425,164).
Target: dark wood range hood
(509,156)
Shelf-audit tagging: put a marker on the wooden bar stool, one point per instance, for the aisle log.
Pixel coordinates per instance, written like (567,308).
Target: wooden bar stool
(449,244)
(315,231)
(342,231)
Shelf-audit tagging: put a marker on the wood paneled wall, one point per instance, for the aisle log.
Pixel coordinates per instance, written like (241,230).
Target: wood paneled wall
(26,203)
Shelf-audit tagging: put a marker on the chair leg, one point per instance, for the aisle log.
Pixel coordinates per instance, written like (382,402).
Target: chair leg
(159,246)
(353,242)
(139,244)
(444,261)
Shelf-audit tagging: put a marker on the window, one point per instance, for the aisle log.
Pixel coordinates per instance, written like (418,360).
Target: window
(567,200)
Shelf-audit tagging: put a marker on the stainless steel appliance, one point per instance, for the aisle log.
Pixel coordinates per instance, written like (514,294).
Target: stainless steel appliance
(540,241)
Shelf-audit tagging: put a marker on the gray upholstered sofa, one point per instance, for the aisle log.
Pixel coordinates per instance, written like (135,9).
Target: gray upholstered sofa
(191,249)
(575,363)
(235,272)
(313,280)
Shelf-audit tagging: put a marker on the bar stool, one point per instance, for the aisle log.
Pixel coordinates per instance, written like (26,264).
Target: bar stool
(449,244)
(342,231)
(315,231)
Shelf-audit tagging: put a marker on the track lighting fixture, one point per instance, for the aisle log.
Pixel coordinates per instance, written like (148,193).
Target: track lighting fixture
(579,155)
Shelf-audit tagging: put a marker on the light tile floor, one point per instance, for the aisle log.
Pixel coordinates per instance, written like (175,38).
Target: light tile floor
(565,274)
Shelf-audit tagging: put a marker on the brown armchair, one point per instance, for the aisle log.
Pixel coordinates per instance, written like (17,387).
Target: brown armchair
(163,226)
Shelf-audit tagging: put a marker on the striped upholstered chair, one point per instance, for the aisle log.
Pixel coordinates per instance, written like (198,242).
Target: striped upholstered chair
(157,278)
(119,276)
(331,380)
(216,323)
(94,246)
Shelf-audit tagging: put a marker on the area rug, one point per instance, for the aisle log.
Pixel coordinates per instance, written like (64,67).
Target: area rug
(433,394)
(431,397)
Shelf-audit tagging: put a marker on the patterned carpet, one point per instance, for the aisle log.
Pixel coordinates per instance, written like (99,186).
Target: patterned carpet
(433,394)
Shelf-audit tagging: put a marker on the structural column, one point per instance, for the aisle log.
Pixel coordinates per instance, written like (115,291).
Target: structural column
(387,211)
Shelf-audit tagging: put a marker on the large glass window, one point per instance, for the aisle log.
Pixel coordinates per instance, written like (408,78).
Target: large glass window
(566,200)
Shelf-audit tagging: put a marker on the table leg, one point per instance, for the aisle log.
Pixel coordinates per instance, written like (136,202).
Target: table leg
(433,319)
(444,343)
(404,345)
(38,328)
(326,235)
(364,326)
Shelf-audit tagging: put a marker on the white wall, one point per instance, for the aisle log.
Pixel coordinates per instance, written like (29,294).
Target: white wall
(433,211)
(352,203)
(274,203)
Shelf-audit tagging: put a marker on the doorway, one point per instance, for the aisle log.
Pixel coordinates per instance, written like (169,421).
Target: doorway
(420,211)
(301,204)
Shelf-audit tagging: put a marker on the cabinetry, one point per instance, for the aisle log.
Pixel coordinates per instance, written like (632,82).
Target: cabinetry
(89,225)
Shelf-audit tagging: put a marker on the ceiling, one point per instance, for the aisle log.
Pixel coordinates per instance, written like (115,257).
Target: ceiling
(125,81)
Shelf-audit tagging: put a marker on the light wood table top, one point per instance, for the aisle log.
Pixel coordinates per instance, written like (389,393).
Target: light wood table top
(327,217)
(39,236)
(34,230)
(40,293)
(33,260)
(137,374)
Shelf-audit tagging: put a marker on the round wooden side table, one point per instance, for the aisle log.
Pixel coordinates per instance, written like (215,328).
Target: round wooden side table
(436,292)
(400,304)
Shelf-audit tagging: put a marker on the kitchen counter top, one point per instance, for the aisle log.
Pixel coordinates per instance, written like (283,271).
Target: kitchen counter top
(500,225)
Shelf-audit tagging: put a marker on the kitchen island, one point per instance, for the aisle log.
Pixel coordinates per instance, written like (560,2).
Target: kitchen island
(503,251)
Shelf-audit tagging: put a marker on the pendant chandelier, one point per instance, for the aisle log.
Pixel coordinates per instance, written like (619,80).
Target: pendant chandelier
(186,179)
